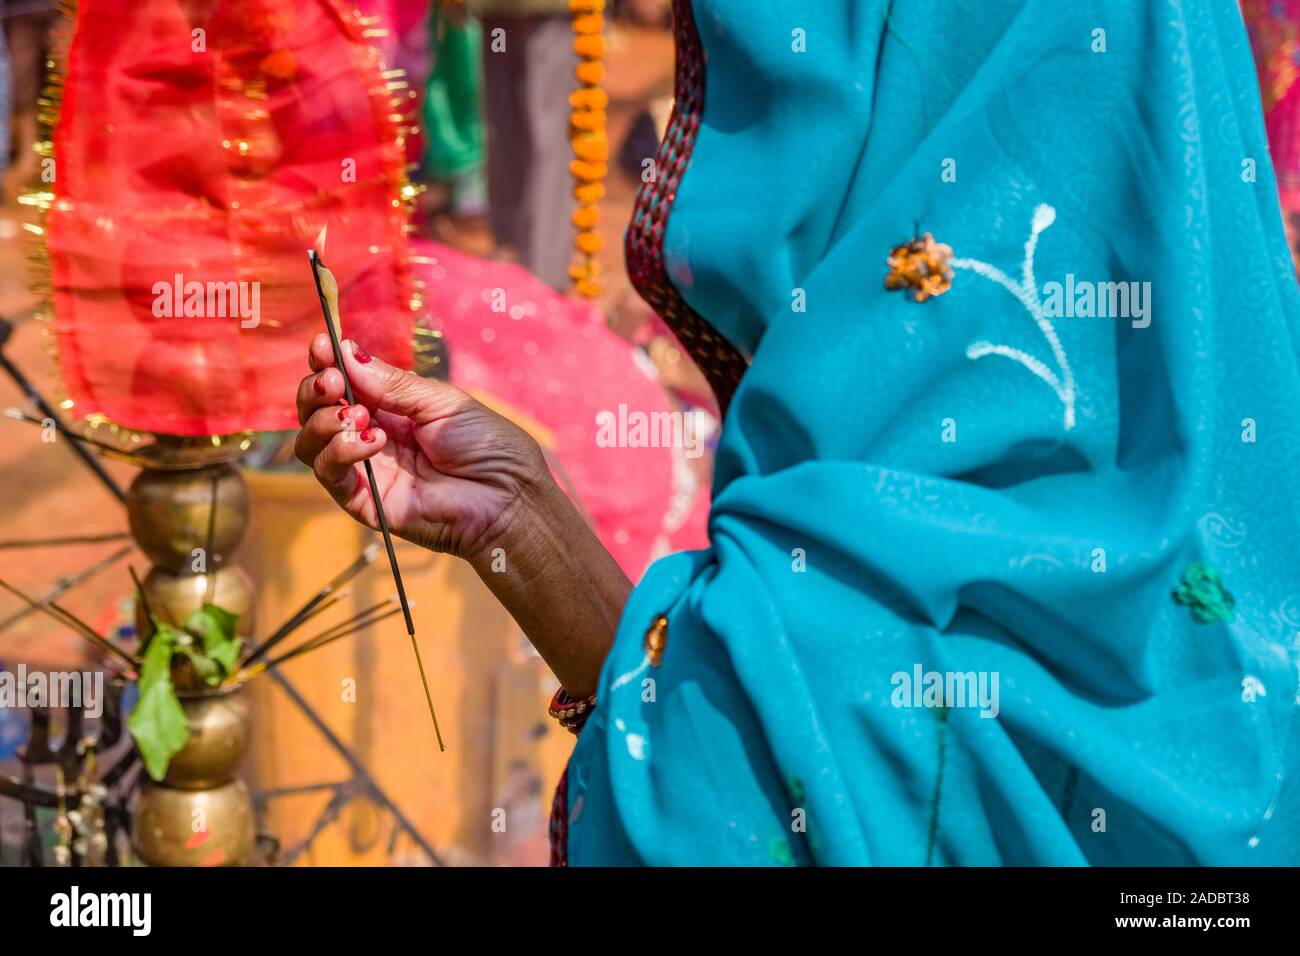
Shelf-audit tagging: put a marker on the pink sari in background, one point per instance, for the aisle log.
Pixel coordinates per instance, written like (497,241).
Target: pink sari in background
(1274,27)
(553,358)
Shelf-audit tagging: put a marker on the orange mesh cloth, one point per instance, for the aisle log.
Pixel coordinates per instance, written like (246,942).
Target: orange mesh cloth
(200,148)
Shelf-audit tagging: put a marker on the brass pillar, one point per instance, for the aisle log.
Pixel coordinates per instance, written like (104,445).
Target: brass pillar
(188,515)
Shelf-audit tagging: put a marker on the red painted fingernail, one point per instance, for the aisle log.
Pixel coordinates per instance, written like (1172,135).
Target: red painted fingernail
(368,435)
(318,385)
(360,354)
(343,413)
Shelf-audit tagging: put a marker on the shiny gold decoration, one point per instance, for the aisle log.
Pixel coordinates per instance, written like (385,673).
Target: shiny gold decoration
(39,195)
(174,597)
(220,729)
(656,640)
(172,516)
(921,265)
(431,357)
(212,827)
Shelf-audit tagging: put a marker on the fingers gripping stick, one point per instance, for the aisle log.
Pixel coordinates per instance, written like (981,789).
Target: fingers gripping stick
(328,290)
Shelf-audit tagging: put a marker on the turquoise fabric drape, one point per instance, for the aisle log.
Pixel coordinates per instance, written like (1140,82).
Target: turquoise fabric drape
(1098,514)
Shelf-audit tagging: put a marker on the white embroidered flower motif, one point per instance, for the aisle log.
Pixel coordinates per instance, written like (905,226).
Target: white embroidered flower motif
(1026,293)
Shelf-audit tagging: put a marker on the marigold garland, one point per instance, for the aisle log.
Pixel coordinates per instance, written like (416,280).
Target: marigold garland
(587,137)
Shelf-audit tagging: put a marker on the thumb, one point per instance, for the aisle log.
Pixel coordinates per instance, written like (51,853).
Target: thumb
(377,384)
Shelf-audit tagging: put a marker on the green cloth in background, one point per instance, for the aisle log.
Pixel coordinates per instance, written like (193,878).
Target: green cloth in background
(517,8)
(453,103)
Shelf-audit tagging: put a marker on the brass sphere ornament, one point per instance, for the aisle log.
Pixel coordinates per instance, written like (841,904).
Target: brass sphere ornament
(220,727)
(210,827)
(175,522)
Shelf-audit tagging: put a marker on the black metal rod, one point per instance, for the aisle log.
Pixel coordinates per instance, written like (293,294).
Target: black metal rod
(48,411)
(357,767)
(67,583)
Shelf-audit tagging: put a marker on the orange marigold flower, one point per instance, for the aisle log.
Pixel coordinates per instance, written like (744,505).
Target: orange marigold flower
(584,98)
(589,47)
(587,6)
(588,23)
(590,73)
(590,121)
(592,147)
(589,288)
(589,193)
(588,172)
(589,242)
(586,217)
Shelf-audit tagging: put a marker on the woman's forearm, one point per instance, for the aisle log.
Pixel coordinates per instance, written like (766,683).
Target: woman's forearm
(550,571)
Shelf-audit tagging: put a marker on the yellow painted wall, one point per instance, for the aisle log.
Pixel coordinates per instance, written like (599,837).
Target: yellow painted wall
(490,690)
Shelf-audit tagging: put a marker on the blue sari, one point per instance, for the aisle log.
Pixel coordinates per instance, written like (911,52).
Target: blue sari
(1007,576)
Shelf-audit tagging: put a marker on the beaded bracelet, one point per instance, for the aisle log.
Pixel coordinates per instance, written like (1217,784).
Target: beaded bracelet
(571,712)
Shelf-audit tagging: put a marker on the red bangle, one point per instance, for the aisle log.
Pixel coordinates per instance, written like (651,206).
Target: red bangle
(571,712)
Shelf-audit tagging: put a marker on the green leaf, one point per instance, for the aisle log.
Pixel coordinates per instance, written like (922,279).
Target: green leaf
(157,723)
(216,626)
(208,670)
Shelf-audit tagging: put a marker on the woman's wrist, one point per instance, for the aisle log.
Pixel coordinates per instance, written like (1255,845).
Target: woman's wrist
(547,567)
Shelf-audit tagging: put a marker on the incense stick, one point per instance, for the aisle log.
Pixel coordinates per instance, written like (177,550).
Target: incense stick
(316,265)
(327,637)
(350,620)
(323,608)
(148,612)
(295,620)
(351,626)
(18,415)
(69,620)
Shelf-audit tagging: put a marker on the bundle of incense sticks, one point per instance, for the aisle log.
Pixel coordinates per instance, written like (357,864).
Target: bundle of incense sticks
(328,291)
(345,628)
(305,612)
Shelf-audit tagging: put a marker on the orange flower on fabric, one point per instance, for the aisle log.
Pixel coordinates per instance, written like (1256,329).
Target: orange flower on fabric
(922,266)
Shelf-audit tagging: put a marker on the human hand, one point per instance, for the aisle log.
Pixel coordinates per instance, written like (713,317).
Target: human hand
(451,473)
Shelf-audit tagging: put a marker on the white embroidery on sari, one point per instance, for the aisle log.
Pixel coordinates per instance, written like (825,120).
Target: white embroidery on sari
(1026,293)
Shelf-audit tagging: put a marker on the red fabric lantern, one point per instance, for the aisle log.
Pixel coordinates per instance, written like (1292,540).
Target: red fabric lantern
(201,147)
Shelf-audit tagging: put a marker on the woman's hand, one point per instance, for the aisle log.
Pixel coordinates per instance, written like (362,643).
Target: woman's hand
(455,476)
(452,474)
